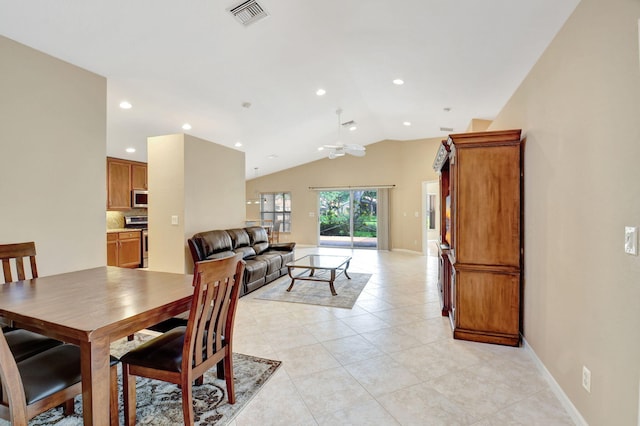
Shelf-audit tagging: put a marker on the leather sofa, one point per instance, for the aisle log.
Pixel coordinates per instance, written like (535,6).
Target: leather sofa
(264,262)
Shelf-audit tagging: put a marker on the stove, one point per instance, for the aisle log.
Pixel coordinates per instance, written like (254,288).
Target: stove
(136,222)
(140,222)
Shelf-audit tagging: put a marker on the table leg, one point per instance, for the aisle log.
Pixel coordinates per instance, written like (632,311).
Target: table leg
(333,277)
(345,270)
(289,269)
(95,381)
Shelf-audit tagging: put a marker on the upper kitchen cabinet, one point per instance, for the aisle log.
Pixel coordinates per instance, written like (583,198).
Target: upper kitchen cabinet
(122,177)
(138,176)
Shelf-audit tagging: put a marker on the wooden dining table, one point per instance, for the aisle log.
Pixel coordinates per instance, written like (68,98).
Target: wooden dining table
(92,308)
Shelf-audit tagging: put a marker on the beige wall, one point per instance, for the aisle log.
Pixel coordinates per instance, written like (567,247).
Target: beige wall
(198,181)
(53,150)
(579,109)
(165,180)
(405,164)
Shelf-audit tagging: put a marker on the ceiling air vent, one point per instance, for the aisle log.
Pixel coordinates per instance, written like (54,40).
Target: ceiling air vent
(446,129)
(248,12)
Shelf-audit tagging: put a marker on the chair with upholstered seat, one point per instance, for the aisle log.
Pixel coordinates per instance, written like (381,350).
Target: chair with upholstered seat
(23,343)
(182,355)
(43,381)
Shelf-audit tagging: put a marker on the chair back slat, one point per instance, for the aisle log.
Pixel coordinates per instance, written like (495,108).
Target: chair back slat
(17,253)
(6,268)
(12,388)
(216,292)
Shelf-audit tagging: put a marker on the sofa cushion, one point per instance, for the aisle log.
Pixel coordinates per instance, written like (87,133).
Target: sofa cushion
(247,252)
(241,243)
(220,255)
(273,260)
(239,237)
(254,270)
(286,256)
(258,237)
(213,244)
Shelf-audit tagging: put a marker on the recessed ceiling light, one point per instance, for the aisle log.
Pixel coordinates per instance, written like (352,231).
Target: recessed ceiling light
(272,156)
(406,123)
(398,82)
(125,105)
(237,144)
(130,150)
(353,128)
(186,126)
(321,148)
(321,92)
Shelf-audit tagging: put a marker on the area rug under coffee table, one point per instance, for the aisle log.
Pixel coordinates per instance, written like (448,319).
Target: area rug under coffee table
(159,403)
(317,293)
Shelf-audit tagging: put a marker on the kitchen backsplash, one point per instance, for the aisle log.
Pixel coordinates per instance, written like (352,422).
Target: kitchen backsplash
(115,220)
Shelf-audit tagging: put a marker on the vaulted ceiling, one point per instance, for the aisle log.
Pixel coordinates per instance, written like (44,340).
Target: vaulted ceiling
(191,61)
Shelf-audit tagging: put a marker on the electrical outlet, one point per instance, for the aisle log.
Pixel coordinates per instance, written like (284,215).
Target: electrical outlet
(586,379)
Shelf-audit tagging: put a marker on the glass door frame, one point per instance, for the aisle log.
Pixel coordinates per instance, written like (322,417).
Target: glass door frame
(351,241)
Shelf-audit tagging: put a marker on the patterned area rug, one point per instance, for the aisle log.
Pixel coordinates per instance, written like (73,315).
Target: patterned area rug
(159,403)
(317,293)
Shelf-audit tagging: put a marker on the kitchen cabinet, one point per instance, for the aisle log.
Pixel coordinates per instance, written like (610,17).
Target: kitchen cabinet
(481,251)
(124,249)
(138,176)
(122,177)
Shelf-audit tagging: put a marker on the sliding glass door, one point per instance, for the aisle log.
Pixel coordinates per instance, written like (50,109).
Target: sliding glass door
(348,218)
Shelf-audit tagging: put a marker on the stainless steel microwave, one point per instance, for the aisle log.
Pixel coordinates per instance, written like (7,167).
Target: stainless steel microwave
(139,198)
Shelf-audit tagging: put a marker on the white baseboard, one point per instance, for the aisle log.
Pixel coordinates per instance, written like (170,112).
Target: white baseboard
(408,251)
(555,387)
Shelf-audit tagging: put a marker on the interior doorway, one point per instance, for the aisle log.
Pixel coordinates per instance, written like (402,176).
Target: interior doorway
(430,213)
(348,218)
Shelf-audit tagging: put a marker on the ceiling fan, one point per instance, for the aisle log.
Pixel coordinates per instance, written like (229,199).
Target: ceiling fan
(339,149)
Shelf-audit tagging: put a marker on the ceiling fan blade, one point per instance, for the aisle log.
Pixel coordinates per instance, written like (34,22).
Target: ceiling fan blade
(354,147)
(356,152)
(336,154)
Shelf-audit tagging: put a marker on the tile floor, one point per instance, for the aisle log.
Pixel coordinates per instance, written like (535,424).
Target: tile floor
(390,360)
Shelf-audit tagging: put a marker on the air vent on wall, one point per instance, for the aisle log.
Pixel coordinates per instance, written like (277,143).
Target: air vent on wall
(446,129)
(248,12)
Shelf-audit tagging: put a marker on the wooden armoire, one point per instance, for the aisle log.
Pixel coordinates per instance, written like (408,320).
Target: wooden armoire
(480,244)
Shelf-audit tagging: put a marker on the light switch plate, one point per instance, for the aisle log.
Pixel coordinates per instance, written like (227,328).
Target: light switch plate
(174,220)
(631,240)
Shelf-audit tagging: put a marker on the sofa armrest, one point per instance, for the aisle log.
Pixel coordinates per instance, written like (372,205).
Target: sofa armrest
(196,252)
(282,246)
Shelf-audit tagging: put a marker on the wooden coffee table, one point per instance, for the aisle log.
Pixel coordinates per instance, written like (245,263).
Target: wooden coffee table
(322,268)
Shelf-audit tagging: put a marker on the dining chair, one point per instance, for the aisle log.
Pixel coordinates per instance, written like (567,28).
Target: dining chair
(182,355)
(43,381)
(275,232)
(23,343)
(15,254)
